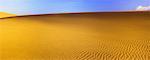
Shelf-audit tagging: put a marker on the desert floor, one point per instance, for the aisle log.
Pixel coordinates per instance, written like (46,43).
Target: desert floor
(106,36)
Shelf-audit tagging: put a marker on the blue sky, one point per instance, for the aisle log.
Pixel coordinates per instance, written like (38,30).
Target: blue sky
(25,7)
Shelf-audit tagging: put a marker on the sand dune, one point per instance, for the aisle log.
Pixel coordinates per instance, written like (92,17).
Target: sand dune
(93,36)
(2,14)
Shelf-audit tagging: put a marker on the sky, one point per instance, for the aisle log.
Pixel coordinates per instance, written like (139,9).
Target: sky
(27,7)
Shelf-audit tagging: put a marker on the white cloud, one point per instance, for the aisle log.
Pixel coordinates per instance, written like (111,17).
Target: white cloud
(143,8)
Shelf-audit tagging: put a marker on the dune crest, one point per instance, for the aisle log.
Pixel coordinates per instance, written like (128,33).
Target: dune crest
(3,14)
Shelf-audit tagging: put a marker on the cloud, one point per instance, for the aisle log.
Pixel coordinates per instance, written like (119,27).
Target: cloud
(143,8)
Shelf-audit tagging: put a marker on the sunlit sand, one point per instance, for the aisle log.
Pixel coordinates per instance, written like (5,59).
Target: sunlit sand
(3,14)
(95,36)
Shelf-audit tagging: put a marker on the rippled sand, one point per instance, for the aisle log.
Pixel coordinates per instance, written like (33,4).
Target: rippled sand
(95,36)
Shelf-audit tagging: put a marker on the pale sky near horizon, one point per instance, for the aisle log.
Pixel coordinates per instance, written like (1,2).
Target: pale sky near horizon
(25,7)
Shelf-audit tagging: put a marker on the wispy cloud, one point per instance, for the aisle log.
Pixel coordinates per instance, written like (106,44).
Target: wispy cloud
(143,8)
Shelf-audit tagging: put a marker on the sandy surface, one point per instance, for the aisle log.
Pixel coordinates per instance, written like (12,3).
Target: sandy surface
(119,36)
(3,14)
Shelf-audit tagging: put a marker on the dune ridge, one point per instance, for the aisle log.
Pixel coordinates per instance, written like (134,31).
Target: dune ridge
(3,14)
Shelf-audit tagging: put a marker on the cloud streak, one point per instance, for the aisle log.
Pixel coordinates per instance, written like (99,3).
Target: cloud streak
(143,8)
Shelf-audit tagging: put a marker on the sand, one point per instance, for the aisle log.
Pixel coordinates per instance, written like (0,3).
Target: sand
(3,14)
(95,36)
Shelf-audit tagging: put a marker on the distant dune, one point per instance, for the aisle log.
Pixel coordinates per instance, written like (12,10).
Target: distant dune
(89,36)
(3,14)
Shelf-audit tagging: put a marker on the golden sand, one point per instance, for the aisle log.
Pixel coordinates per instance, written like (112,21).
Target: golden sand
(99,36)
(2,14)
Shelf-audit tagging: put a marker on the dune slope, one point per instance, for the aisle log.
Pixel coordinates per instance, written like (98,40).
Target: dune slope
(3,14)
(97,36)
